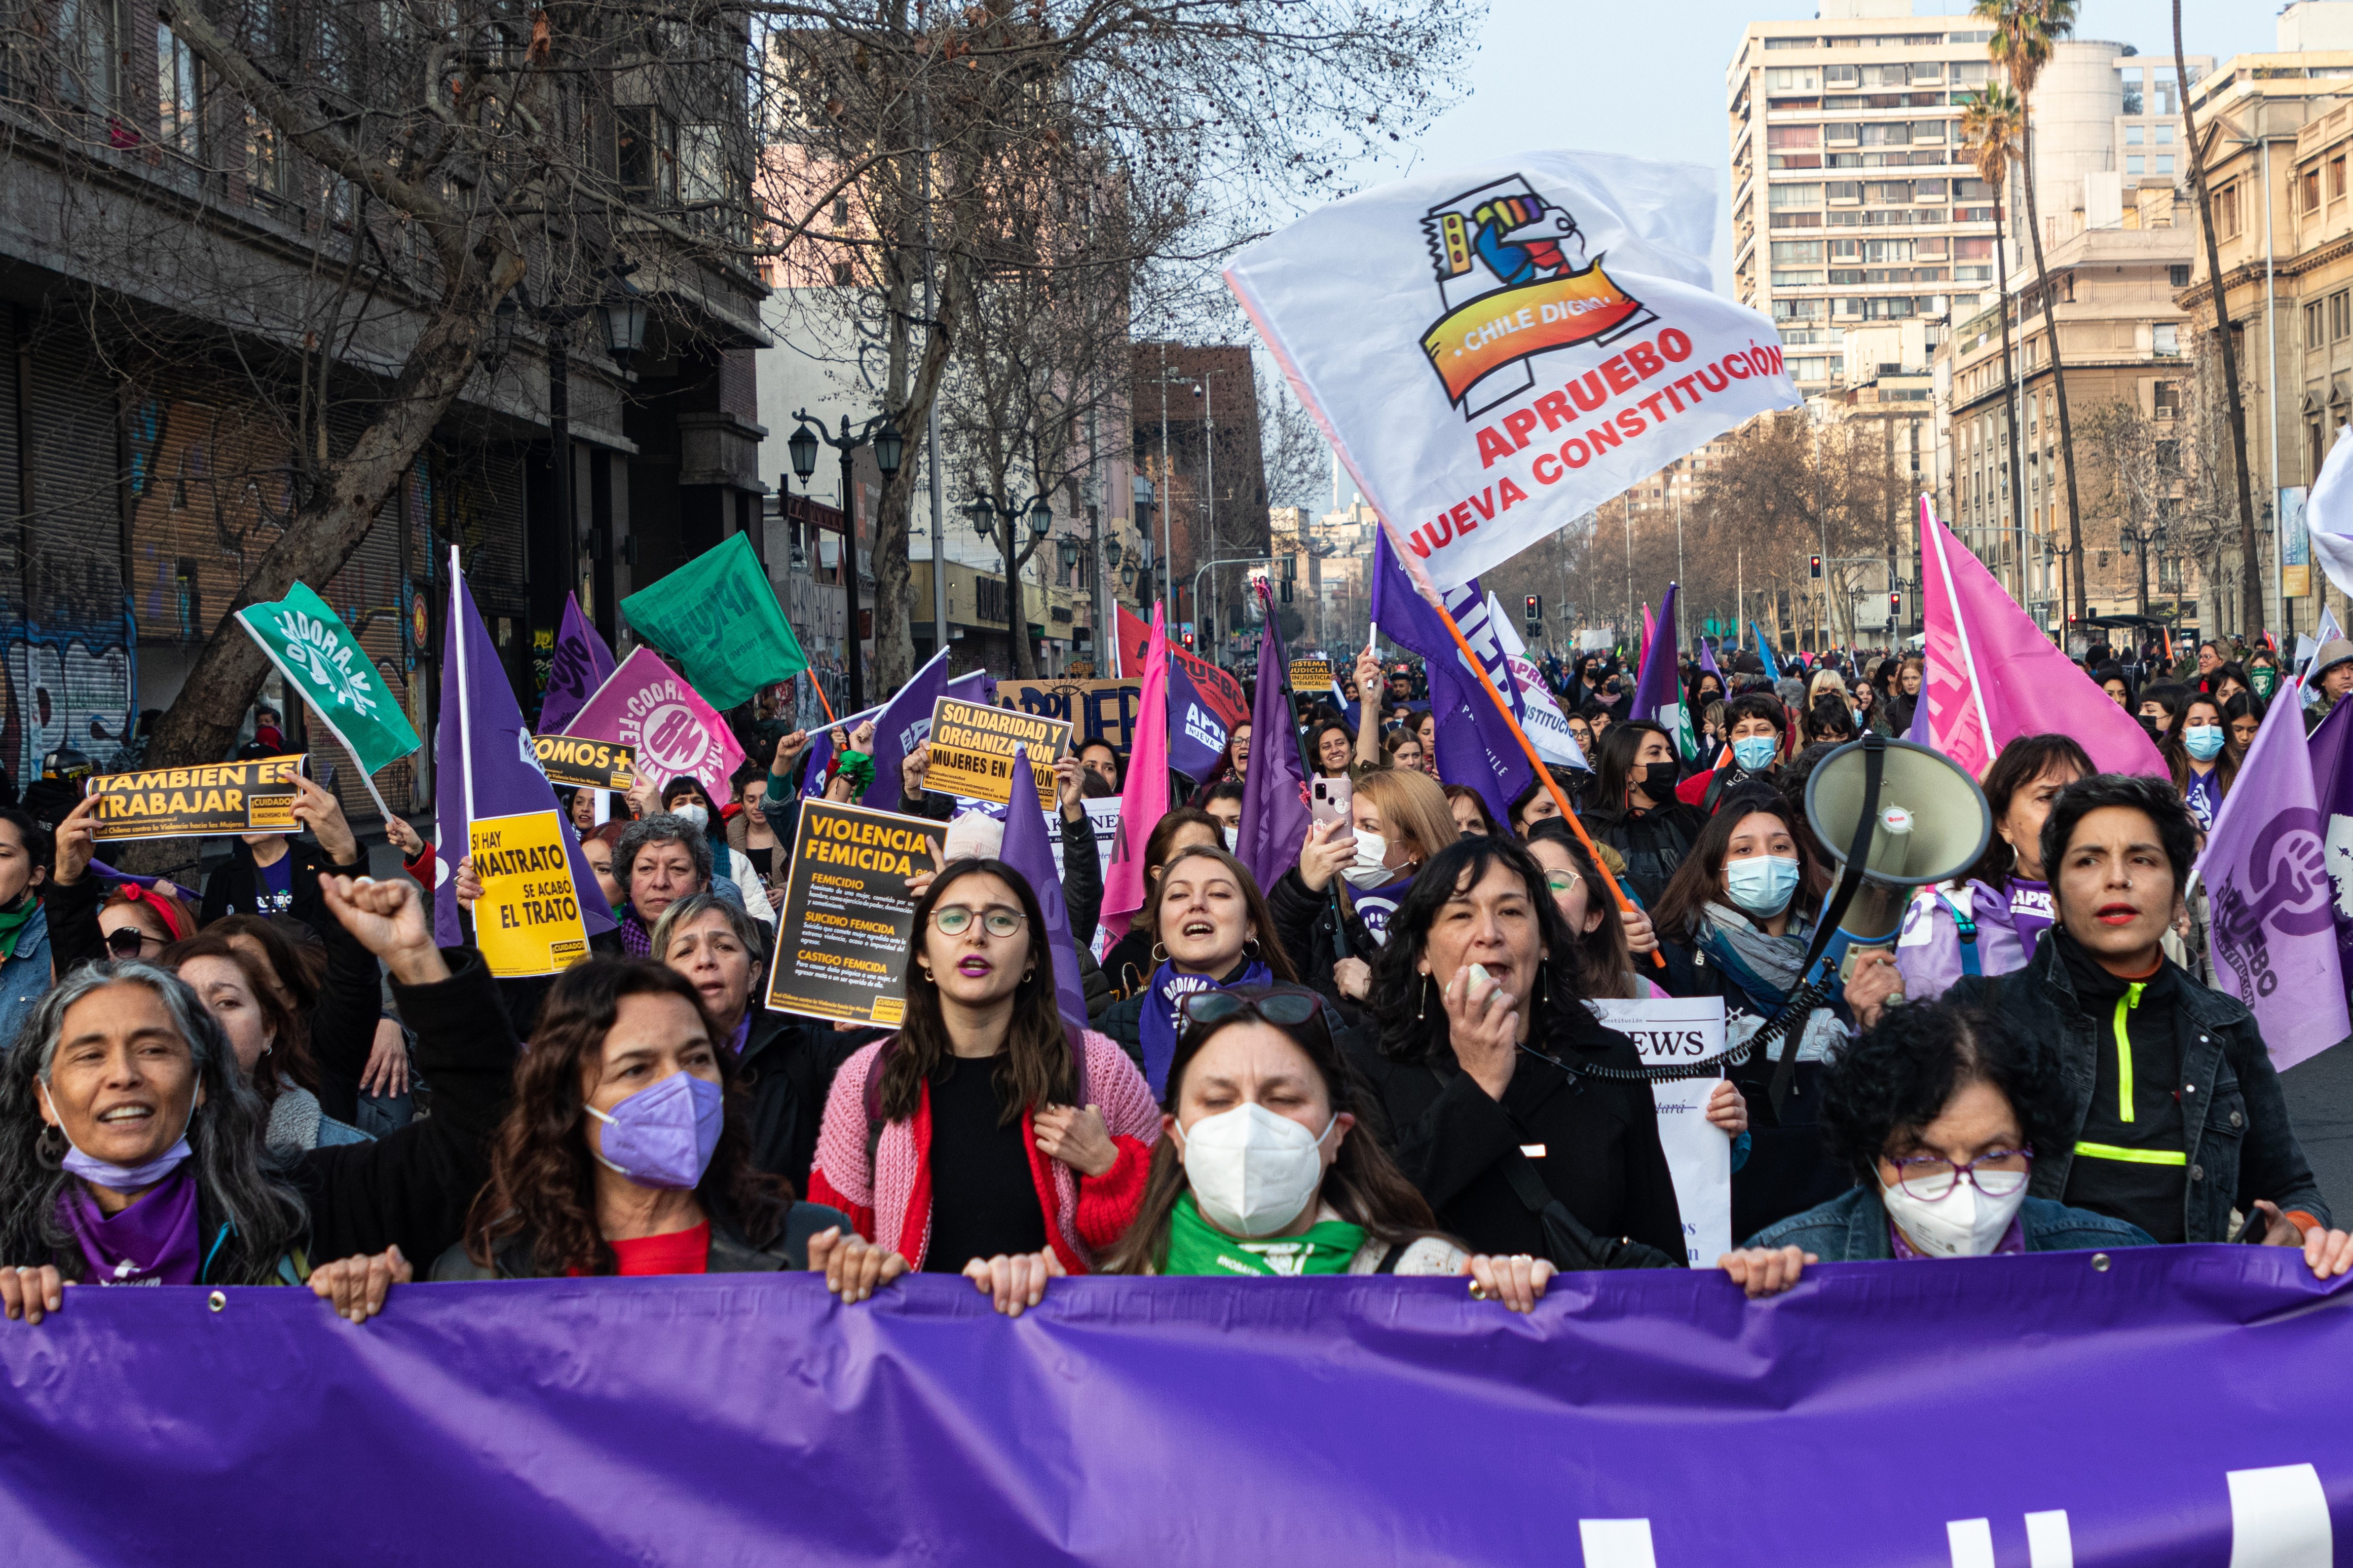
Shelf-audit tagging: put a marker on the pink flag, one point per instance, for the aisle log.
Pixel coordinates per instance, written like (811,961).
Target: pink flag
(1994,676)
(647,704)
(1146,800)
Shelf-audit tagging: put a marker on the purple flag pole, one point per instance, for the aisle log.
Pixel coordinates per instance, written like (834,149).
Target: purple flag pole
(1028,851)
(1276,816)
(2273,936)
(905,719)
(1656,687)
(1475,743)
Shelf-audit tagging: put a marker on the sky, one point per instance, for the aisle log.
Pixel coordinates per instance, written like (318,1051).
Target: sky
(1648,78)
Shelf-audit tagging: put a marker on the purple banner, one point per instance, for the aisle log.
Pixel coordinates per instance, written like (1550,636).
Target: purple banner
(2159,1405)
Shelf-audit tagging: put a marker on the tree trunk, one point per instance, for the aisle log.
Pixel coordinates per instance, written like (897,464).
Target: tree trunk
(1017,618)
(202,720)
(2010,414)
(2082,604)
(2251,589)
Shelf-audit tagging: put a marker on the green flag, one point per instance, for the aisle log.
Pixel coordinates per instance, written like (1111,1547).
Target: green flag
(719,618)
(323,661)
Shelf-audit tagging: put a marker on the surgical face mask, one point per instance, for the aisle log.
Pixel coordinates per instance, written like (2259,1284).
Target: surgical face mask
(1762,884)
(663,1135)
(2262,679)
(1366,870)
(1755,752)
(1252,1171)
(126,1178)
(1963,1223)
(693,811)
(2204,741)
(1233,839)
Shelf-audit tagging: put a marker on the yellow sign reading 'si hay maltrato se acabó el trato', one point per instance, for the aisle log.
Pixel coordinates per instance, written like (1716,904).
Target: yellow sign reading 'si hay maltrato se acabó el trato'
(527,920)
(973,748)
(252,796)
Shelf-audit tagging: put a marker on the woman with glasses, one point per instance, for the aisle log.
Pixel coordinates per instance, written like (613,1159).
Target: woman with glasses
(1210,930)
(986,1137)
(1267,1165)
(1938,1112)
(1516,1114)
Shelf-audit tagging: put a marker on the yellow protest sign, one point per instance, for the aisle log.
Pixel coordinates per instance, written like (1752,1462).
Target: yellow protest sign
(527,920)
(973,748)
(1312,675)
(252,796)
(847,915)
(575,762)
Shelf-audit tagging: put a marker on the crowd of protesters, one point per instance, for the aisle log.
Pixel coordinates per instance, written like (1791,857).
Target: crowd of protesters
(1382,1062)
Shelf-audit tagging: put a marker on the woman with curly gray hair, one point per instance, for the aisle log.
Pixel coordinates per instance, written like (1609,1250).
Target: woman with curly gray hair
(659,860)
(131,1149)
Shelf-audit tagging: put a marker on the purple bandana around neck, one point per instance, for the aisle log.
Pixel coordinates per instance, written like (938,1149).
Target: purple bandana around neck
(636,939)
(153,1242)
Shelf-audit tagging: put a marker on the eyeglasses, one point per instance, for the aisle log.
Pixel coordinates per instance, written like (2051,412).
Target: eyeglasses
(1997,1174)
(954,919)
(1562,881)
(1284,1006)
(129,941)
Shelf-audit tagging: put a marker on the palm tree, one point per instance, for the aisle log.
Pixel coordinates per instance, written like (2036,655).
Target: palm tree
(2024,34)
(1991,123)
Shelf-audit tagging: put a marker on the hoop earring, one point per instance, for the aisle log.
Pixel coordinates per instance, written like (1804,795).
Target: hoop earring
(1159,953)
(1250,946)
(51,1145)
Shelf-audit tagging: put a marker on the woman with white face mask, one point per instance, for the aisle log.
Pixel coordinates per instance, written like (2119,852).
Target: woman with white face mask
(1938,1112)
(1737,917)
(2203,764)
(1211,930)
(685,798)
(1264,1168)
(1397,820)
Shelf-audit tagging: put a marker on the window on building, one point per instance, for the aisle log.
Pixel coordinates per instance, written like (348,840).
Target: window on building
(2316,325)
(1970,73)
(2134,163)
(1840,77)
(1778,136)
(2135,135)
(269,171)
(2165,340)
(88,41)
(2226,211)
(2164,135)
(179,94)
(2166,399)
(2163,161)
(842,274)
(1808,195)
(1797,252)
(1791,43)
(1793,79)
(649,152)
(2336,179)
(2340,315)
(2307,189)
(842,211)
(1845,191)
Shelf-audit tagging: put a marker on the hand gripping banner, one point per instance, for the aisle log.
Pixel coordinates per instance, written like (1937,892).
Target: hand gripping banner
(2159,1405)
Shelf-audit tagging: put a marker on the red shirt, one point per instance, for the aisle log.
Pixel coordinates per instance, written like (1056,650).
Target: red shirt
(677,1252)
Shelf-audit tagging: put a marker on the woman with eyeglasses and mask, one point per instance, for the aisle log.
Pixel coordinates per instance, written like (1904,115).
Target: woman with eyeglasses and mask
(1938,1112)
(1501,1088)
(1633,808)
(1267,1167)
(987,1137)
(1212,930)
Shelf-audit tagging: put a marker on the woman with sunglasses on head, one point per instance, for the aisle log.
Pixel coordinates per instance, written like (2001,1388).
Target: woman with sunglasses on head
(1938,1112)
(987,1137)
(1267,1166)
(1211,930)
(1502,1089)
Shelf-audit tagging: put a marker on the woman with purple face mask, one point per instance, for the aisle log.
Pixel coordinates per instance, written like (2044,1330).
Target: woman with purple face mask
(626,1151)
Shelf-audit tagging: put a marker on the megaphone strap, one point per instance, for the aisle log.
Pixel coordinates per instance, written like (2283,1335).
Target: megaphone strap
(1814,992)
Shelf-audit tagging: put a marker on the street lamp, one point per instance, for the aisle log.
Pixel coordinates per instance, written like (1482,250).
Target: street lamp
(1042,516)
(622,314)
(889,447)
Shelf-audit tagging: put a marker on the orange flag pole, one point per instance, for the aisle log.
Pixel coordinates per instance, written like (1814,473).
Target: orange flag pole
(1528,746)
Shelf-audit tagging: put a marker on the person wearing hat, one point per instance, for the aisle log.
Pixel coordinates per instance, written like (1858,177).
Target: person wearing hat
(2332,677)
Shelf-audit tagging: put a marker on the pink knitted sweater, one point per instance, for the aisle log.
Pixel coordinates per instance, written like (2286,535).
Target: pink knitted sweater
(891,1203)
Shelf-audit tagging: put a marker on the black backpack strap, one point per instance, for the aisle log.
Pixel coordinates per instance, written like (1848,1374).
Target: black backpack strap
(1390,1259)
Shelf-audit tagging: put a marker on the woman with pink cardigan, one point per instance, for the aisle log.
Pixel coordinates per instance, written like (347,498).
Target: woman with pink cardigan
(987,1137)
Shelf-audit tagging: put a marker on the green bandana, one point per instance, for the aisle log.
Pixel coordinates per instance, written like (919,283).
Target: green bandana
(1196,1247)
(2263,680)
(12,926)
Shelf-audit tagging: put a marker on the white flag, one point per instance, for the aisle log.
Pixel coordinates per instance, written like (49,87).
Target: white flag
(1495,353)
(1538,714)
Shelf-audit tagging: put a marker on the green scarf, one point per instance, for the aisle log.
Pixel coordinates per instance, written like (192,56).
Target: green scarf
(1196,1247)
(12,926)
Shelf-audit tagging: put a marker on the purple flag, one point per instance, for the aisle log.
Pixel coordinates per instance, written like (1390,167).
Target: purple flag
(1196,736)
(1435,1420)
(484,765)
(902,725)
(1475,745)
(1707,660)
(1659,690)
(1275,817)
(2273,936)
(2331,750)
(1028,850)
(581,664)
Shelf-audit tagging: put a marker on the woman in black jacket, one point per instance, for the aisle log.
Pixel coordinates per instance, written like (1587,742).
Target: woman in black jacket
(1484,1063)
(131,1147)
(1634,810)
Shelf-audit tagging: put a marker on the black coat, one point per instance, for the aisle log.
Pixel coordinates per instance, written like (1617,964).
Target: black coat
(1601,1159)
(1653,843)
(787,1068)
(1306,923)
(235,888)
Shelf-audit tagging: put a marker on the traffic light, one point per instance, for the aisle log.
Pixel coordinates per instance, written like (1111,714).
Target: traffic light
(1188,636)
(1535,610)
(1896,604)
(1818,566)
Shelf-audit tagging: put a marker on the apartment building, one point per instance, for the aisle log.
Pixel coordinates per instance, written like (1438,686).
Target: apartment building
(2277,131)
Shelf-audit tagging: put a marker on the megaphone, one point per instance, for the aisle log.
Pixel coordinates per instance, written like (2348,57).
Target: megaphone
(1897,816)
